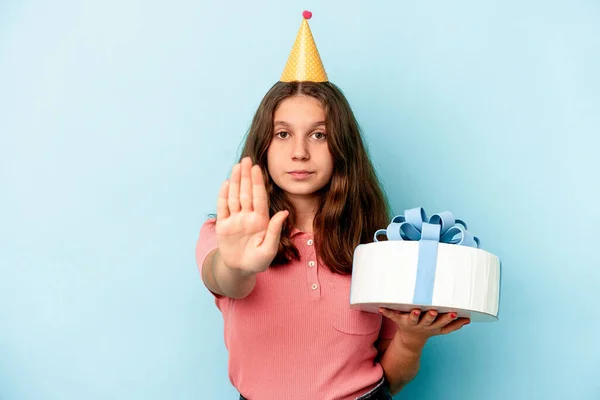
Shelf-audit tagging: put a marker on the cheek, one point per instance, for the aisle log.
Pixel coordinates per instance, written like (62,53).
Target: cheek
(328,163)
(270,154)
(330,172)
(272,160)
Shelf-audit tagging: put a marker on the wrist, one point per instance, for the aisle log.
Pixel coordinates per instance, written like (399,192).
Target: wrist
(413,344)
(237,273)
(233,282)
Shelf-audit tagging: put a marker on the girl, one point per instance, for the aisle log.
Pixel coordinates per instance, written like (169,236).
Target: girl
(278,256)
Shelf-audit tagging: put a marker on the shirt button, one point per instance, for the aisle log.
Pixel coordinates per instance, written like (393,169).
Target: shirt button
(311,263)
(314,286)
(309,242)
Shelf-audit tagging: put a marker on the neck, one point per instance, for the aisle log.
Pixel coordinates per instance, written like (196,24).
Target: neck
(306,208)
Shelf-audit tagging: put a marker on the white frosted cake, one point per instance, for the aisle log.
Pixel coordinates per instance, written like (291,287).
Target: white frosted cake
(428,264)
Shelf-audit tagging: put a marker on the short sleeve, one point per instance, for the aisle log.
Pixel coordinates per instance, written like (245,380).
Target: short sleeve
(388,329)
(207,242)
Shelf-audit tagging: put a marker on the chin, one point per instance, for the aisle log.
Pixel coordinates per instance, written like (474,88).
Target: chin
(300,190)
(303,192)
(310,191)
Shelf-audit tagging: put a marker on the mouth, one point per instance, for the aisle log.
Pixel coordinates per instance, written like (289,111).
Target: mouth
(300,174)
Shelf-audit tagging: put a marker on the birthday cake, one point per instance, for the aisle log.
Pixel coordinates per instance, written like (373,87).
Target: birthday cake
(426,263)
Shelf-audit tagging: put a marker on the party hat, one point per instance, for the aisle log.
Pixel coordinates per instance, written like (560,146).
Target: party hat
(304,62)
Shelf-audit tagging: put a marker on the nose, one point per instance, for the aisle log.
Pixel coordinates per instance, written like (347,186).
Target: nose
(300,149)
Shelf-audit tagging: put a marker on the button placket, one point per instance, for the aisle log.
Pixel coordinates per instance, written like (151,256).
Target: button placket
(311,270)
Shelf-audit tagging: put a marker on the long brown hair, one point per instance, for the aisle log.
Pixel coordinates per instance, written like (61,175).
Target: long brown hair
(353,204)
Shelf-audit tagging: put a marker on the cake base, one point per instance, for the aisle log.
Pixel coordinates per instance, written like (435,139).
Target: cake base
(474,316)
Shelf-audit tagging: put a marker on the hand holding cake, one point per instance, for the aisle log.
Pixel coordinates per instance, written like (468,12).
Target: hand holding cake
(416,327)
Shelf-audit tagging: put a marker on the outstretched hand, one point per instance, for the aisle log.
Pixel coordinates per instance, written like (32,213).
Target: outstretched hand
(247,237)
(417,326)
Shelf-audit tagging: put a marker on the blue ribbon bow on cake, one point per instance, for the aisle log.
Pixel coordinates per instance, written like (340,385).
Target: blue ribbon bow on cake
(415,226)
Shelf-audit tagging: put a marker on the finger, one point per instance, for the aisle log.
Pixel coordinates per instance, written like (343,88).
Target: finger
(222,208)
(413,319)
(246,185)
(259,192)
(428,318)
(274,230)
(391,314)
(444,319)
(233,198)
(455,325)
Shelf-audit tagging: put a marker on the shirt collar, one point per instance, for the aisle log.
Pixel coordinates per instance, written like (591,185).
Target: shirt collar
(296,231)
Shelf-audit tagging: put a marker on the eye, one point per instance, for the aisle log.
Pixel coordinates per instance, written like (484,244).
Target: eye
(319,135)
(282,134)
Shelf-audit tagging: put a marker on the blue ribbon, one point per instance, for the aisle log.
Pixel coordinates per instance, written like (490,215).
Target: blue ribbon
(441,227)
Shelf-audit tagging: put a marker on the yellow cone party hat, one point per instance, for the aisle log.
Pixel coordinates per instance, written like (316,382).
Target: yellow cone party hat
(304,62)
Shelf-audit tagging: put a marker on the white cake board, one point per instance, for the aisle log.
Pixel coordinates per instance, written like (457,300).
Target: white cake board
(462,313)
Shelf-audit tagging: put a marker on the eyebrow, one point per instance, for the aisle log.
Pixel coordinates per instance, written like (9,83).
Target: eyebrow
(283,123)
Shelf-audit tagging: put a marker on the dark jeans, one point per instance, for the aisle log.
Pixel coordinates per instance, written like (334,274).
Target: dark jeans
(380,392)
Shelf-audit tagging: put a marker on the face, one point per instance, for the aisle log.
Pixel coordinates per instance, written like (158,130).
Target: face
(298,157)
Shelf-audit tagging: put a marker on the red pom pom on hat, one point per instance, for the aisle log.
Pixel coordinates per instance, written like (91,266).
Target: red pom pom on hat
(307,14)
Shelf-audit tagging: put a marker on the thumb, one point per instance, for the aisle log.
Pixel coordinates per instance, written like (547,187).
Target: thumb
(274,229)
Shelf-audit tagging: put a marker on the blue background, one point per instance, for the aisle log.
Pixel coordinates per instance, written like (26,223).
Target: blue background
(119,121)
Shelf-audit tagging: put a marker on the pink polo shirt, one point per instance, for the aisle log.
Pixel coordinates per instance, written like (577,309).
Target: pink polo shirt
(295,336)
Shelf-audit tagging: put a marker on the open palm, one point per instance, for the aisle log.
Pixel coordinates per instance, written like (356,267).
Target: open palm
(247,238)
